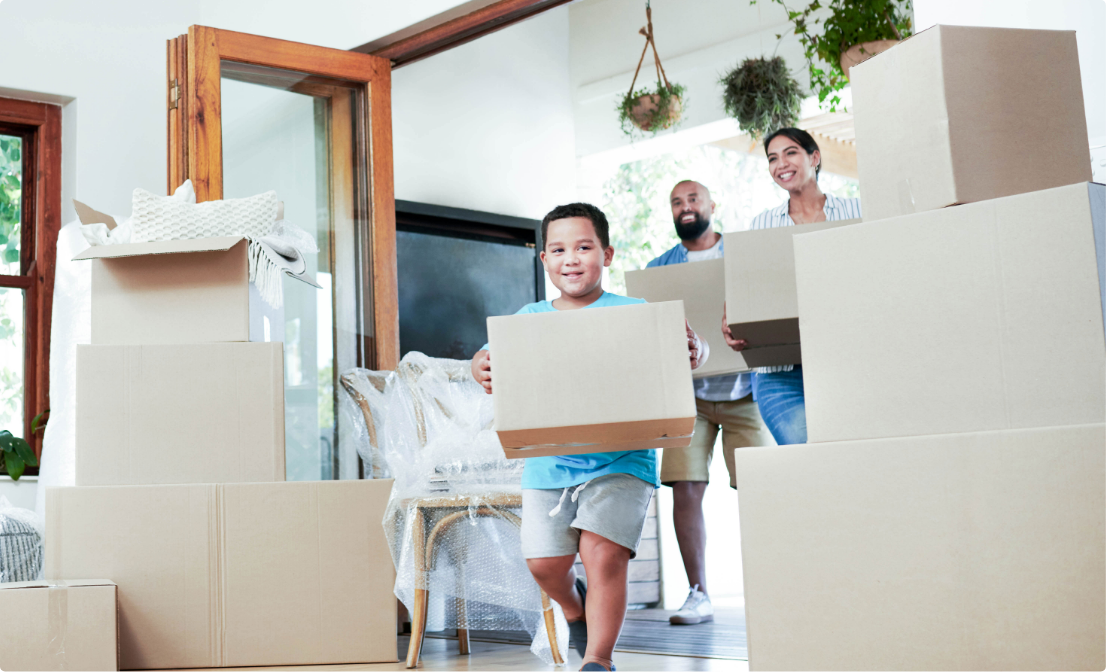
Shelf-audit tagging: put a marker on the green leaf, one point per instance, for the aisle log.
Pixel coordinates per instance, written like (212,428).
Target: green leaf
(11,255)
(15,465)
(38,421)
(25,452)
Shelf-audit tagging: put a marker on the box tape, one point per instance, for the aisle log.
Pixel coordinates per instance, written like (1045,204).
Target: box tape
(58,610)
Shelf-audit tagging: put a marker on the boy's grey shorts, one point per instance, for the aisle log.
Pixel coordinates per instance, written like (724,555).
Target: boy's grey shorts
(613,506)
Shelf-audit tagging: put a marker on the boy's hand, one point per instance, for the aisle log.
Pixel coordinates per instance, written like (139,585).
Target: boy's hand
(697,348)
(482,369)
(737,344)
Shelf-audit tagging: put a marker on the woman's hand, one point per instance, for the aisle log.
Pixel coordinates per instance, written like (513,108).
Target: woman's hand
(482,369)
(736,344)
(697,348)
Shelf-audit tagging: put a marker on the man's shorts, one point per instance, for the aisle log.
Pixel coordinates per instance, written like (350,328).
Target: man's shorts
(613,506)
(741,427)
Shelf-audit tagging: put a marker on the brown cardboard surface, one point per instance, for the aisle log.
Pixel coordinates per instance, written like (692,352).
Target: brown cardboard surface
(761,305)
(975,551)
(596,377)
(701,285)
(981,317)
(962,114)
(201,413)
(179,291)
(59,625)
(235,575)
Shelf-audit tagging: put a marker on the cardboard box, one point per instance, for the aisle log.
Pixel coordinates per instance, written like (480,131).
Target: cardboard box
(981,317)
(178,291)
(59,625)
(977,551)
(592,380)
(962,114)
(701,286)
(235,575)
(201,413)
(761,305)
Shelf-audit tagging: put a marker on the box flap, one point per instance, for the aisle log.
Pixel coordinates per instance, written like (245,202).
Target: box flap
(89,216)
(219,244)
(68,583)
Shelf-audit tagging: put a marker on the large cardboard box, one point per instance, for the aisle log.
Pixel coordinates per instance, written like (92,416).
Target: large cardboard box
(177,291)
(701,286)
(59,625)
(235,575)
(981,317)
(202,413)
(977,551)
(592,380)
(962,114)
(761,306)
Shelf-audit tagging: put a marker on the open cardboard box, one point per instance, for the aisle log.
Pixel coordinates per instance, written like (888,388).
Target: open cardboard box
(187,413)
(244,574)
(959,114)
(980,317)
(701,285)
(975,551)
(592,380)
(59,625)
(761,305)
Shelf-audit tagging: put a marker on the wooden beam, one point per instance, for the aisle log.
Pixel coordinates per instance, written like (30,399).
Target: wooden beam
(457,31)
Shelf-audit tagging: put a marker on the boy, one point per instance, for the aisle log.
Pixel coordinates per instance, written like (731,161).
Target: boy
(604,517)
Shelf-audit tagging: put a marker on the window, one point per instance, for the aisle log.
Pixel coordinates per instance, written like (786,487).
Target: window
(30,216)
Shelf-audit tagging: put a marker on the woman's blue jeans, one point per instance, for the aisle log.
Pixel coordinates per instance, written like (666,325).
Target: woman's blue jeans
(782,404)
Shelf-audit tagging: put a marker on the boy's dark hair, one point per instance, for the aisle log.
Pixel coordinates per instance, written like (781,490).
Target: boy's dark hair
(585,210)
(800,138)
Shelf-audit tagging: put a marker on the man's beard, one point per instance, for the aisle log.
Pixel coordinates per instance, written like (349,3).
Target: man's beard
(693,229)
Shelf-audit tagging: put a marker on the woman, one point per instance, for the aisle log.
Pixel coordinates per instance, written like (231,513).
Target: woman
(794,161)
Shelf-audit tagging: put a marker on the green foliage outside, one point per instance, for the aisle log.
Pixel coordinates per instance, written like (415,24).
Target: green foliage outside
(762,95)
(852,22)
(11,192)
(11,300)
(326,397)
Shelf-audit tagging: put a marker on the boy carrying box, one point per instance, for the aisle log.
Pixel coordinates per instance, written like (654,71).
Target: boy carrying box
(610,492)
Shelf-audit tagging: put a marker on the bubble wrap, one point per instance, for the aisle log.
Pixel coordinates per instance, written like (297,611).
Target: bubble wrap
(157,218)
(20,544)
(429,427)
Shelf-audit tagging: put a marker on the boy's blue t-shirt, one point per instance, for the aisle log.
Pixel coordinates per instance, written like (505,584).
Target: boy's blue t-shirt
(563,471)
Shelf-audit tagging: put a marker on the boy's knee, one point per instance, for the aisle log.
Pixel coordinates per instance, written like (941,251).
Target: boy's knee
(549,568)
(602,550)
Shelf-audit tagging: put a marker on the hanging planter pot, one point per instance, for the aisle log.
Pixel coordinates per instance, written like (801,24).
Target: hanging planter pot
(858,53)
(762,95)
(654,110)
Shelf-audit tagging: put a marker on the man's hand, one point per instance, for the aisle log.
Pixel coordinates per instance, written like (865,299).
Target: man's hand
(697,348)
(737,344)
(482,369)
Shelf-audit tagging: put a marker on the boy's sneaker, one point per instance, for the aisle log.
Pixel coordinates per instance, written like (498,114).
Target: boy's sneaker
(578,630)
(595,667)
(697,609)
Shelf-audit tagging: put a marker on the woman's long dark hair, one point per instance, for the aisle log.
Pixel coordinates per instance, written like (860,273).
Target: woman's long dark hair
(801,138)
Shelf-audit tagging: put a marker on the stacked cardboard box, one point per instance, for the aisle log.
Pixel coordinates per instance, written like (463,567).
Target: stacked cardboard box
(180,499)
(949,512)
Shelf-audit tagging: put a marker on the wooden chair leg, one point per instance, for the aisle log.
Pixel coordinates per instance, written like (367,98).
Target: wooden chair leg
(551,628)
(418,618)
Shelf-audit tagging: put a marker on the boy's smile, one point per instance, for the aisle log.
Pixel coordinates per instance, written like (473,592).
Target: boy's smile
(574,257)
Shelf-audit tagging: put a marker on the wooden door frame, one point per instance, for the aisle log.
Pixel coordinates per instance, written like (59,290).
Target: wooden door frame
(195,142)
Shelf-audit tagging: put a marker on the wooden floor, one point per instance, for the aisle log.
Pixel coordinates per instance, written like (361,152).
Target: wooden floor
(441,654)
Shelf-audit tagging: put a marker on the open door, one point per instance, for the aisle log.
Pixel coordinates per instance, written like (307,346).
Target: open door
(247,114)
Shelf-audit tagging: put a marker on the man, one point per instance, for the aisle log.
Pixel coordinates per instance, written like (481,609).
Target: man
(722,402)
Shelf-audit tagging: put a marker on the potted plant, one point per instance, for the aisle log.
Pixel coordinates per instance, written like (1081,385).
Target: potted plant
(762,95)
(15,453)
(855,31)
(651,110)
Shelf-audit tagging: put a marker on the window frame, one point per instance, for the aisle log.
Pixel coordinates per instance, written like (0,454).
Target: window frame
(39,125)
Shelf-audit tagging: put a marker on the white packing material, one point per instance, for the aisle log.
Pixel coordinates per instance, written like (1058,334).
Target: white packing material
(454,487)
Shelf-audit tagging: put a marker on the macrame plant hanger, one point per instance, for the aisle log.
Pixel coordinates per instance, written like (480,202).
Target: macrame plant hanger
(647,31)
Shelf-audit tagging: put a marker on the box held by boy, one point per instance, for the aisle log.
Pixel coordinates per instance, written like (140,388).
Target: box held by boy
(761,305)
(243,574)
(199,413)
(587,381)
(59,625)
(701,286)
(960,114)
(980,317)
(974,551)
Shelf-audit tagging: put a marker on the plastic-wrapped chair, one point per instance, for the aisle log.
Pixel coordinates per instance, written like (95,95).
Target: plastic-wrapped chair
(428,426)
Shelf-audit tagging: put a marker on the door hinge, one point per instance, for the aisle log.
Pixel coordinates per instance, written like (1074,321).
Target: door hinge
(174,94)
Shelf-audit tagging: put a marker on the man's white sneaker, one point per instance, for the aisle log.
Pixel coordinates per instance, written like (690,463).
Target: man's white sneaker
(697,609)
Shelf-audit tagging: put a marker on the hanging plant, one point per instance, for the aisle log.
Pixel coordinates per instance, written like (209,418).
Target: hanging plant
(762,95)
(651,110)
(855,31)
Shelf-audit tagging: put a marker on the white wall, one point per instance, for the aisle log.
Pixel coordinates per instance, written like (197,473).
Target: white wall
(1086,17)
(488,125)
